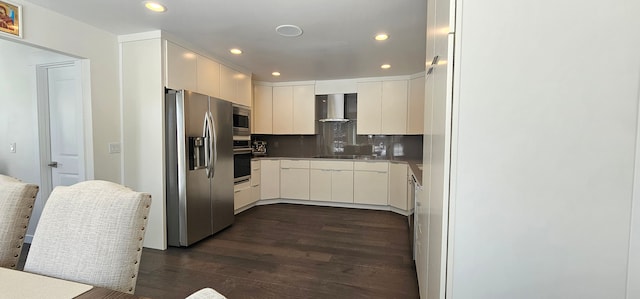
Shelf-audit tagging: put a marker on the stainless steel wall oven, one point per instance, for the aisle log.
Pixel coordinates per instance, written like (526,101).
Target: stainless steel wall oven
(241,161)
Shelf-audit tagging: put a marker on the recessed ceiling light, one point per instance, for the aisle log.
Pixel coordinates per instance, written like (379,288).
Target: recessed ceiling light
(385,66)
(275,74)
(235,51)
(289,30)
(154,6)
(381,36)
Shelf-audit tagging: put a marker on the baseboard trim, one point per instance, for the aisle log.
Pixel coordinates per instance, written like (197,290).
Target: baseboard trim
(322,204)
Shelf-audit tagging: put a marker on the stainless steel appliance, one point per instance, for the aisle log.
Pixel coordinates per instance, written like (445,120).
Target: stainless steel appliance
(241,120)
(199,163)
(241,161)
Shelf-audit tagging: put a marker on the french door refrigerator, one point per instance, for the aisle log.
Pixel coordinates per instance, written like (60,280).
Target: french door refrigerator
(199,166)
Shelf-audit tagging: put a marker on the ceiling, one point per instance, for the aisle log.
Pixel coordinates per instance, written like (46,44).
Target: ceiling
(337,40)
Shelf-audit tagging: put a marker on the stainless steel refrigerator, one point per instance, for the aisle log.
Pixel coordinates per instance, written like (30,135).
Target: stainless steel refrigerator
(199,166)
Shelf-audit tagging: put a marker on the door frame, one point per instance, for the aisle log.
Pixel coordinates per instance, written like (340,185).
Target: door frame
(44,134)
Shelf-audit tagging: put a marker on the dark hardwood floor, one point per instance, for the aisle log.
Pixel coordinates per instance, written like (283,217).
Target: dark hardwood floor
(290,251)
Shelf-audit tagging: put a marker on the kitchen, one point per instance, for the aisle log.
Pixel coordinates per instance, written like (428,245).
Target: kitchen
(496,184)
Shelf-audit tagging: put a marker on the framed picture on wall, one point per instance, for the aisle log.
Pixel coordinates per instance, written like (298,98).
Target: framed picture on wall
(10,19)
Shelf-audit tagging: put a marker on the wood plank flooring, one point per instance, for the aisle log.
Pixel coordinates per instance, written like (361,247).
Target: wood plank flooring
(290,251)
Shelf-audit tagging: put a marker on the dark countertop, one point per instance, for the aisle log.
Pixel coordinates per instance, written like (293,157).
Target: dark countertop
(414,164)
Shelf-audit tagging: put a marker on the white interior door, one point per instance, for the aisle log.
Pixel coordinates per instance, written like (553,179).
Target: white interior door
(62,142)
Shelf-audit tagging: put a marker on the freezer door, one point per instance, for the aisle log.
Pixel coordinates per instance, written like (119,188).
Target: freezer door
(222,164)
(188,202)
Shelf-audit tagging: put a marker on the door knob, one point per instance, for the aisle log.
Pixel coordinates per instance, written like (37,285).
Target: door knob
(53,164)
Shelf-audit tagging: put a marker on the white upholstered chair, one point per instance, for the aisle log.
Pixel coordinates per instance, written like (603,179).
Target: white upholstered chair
(91,232)
(16,205)
(206,293)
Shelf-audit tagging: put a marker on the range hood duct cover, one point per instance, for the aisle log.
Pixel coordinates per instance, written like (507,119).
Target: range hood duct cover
(335,108)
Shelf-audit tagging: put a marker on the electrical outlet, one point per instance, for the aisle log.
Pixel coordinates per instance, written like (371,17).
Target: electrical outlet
(12,147)
(114,148)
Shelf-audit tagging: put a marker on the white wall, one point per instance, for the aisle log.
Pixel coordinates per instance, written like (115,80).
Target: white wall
(19,115)
(143,120)
(51,30)
(545,155)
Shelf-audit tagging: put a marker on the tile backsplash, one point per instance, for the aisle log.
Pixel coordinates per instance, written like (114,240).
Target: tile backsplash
(334,142)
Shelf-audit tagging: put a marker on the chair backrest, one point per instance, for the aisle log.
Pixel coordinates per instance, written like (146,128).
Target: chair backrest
(91,232)
(206,293)
(16,204)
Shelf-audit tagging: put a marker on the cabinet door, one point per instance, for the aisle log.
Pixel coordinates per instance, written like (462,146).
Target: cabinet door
(320,184)
(262,113)
(282,110)
(415,107)
(255,173)
(208,76)
(304,110)
(398,186)
(294,183)
(369,107)
(255,193)
(181,67)
(269,179)
(228,86)
(342,186)
(243,92)
(394,107)
(241,198)
(370,187)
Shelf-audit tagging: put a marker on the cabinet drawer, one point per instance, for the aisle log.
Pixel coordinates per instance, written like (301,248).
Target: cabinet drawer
(255,165)
(371,166)
(331,165)
(241,198)
(294,164)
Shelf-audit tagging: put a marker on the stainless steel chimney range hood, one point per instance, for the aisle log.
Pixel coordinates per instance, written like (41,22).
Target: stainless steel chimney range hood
(335,108)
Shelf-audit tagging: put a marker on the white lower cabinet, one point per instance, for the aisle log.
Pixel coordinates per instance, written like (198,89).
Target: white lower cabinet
(320,184)
(371,183)
(342,185)
(294,179)
(242,195)
(269,179)
(255,180)
(331,181)
(398,181)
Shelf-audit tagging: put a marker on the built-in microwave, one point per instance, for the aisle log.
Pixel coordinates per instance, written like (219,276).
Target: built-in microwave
(241,120)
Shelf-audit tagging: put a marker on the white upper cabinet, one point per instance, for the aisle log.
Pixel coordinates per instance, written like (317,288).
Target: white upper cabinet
(415,106)
(304,109)
(282,110)
(235,86)
(369,108)
(188,70)
(244,89)
(293,110)
(208,76)
(382,107)
(394,107)
(262,110)
(181,72)
(227,84)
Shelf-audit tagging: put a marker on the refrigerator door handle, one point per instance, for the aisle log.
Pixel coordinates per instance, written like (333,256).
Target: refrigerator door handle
(214,146)
(206,132)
